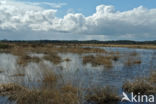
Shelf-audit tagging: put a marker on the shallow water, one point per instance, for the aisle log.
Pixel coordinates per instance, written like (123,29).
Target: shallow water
(74,72)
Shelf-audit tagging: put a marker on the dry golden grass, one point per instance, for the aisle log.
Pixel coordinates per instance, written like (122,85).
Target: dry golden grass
(105,95)
(50,48)
(25,59)
(53,57)
(139,86)
(65,95)
(142,46)
(80,50)
(49,79)
(152,77)
(142,86)
(98,60)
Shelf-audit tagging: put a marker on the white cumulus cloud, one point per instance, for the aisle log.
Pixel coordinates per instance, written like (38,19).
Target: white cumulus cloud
(19,16)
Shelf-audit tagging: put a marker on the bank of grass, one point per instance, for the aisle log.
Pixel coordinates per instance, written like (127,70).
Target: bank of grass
(53,57)
(47,93)
(65,95)
(97,60)
(142,85)
(106,95)
(140,46)
(24,59)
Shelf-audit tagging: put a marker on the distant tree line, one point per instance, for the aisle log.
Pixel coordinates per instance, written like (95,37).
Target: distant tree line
(81,42)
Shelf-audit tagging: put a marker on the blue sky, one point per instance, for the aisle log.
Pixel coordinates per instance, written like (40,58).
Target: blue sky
(87,7)
(78,19)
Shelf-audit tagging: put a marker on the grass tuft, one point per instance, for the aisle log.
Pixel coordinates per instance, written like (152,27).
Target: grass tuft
(106,95)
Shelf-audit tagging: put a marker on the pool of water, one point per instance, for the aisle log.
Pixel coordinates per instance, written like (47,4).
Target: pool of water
(78,74)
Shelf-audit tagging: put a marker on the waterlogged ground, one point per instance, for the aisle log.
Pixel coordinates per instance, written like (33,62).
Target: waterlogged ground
(72,69)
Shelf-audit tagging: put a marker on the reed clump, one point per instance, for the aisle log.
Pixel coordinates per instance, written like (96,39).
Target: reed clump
(106,95)
(65,95)
(25,59)
(132,58)
(98,60)
(53,57)
(49,79)
(142,86)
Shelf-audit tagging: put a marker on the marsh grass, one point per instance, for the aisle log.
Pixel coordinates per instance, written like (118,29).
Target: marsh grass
(25,59)
(132,61)
(98,60)
(49,79)
(67,59)
(152,77)
(53,57)
(132,58)
(65,95)
(18,75)
(106,95)
(80,50)
(140,46)
(141,85)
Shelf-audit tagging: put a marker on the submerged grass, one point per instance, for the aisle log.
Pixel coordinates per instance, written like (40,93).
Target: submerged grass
(53,57)
(132,58)
(25,59)
(100,60)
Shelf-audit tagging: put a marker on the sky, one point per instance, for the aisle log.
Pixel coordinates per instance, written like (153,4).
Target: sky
(78,20)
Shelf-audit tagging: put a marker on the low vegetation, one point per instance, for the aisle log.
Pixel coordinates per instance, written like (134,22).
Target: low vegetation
(80,50)
(64,95)
(106,95)
(100,60)
(53,57)
(49,79)
(4,46)
(25,59)
(142,86)
(133,58)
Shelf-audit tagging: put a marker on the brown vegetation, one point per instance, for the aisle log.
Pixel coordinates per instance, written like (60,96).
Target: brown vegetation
(105,95)
(53,57)
(143,86)
(25,59)
(80,50)
(49,79)
(98,60)
(142,46)
(139,86)
(22,95)
(18,75)
(133,58)
(67,59)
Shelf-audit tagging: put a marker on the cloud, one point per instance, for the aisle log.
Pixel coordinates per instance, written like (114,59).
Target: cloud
(138,23)
(52,5)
